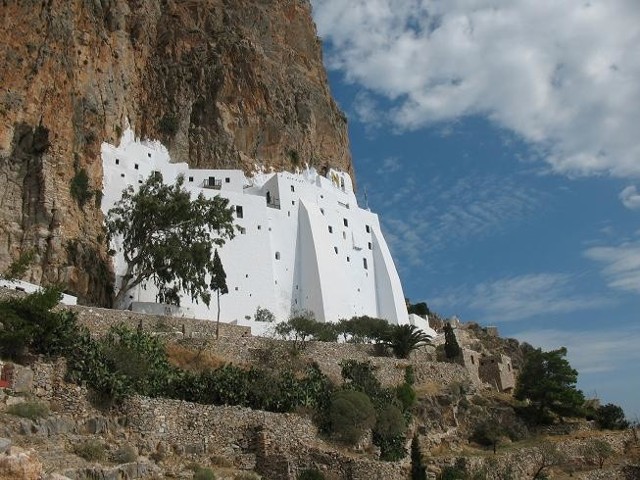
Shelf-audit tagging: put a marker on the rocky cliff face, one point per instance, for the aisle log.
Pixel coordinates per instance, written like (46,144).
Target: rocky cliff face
(223,83)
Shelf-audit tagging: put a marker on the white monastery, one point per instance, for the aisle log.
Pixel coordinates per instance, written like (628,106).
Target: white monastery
(303,243)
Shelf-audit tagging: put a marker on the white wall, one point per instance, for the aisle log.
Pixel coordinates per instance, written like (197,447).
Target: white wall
(309,254)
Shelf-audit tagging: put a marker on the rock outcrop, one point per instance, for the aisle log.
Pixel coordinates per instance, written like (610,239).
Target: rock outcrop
(222,83)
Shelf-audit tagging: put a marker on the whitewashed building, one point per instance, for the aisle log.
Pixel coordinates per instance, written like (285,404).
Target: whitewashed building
(303,243)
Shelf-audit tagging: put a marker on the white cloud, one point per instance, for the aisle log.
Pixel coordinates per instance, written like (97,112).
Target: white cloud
(389,165)
(589,351)
(563,75)
(630,197)
(520,297)
(621,265)
(451,213)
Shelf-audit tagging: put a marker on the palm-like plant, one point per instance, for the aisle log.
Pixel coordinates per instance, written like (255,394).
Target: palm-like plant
(404,339)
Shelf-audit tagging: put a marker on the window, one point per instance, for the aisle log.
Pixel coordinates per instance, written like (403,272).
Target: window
(348,259)
(239,211)
(368,228)
(149,155)
(370,246)
(346,222)
(117,161)
(322,211)
(191,179)
(259,227)
(330,229)
(227,180)
(236,289)
(122,175)
(277,257)
(242,230)
(140,182)
(136,166)
(293,202)
(293,189)
(344,235)
(364,262)
(335,249)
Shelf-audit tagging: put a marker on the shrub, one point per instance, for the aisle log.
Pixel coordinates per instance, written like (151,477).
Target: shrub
(220,461)
(79,188)
(389,433)
(451,347)
(351,414)
(264,315)
(168,124)
(310,474)
(30,410)
(597,451)
(91,450)
(611,417)
(246,476)
(204,473)
(407,396)
(125,454)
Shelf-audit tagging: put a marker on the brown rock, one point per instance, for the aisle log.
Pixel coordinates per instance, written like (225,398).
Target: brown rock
(223,83)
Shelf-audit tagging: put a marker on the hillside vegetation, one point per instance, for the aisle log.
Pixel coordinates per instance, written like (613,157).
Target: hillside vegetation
(154,397)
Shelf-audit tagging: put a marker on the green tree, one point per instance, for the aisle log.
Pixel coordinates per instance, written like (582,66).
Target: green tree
(351,414)
(167,237)
(544,456)
(363,329)
(404,339)
(420,308)
(548,382)
(418,470)
(218,284)
(611,417)
(451,347)
(597,451)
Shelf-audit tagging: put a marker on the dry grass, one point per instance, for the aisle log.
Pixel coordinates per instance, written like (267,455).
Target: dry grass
(193,360)
(428,389)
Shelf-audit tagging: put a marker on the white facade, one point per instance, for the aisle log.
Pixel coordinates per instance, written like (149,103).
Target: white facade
(302,243)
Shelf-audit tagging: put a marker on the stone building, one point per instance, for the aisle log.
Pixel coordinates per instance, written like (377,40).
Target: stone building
(497,371)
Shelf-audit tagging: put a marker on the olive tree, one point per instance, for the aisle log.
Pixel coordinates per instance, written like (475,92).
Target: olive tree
(167,237)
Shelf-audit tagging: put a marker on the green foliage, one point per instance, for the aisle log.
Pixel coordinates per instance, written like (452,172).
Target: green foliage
(80,189)
(204,473)
(418,309)
(611,417)
(91,450)
(30,325)
(310,474)
(168,125)
(17,268)
(597,451)
(167,237)
(218,284)
(389,433)
(30,410)
(303,327)
(294,157)
(418,469)
(362,329)
(451,347)
(548,382)
(351,414)
(409,375)
(406,395)
(453,473)
(125,454)
(488,432)
(404,339)
(264,315)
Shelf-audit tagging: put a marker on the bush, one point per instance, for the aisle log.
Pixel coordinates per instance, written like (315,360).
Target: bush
(125,454)
(389,433)
(30,410)
(310,474)
(351,414)
(91,451)
(79,188)
(264,315)
(204,473)
(611,417)
(407,396)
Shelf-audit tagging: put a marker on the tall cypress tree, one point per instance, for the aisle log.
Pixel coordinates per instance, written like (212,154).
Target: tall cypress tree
(218,284)
(418,471)
(451,347)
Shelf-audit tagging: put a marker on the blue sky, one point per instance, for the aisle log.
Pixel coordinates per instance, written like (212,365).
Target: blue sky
(499,141)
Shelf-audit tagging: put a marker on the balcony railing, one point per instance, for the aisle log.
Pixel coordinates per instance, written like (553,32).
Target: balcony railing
(212,183)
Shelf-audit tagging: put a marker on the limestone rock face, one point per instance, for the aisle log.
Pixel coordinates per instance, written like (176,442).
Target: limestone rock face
(222,83)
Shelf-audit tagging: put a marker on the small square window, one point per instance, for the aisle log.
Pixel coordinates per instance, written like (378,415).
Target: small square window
(140,182)
(227,180)
(236,289)
(122,175)
(117,161)
(348,259)
(335,249)
(277,258)
(191,179)
(239,211)
(330,229)
(344,235)
(322,211)
(370,246)
(368,228)
(136,166)
(346,222)
(364,262)
(149,155)
(293,189)
(293,202)
(259,227)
